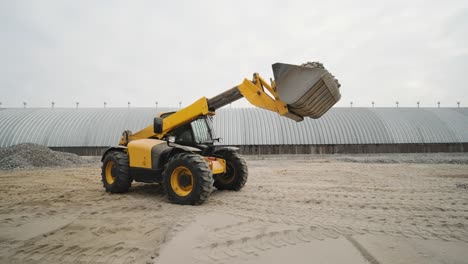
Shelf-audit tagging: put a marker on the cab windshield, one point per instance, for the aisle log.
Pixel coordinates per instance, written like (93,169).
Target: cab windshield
(197,132)
(201,131)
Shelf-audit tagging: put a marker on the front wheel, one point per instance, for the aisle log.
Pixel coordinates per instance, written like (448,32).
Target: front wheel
(236,172)
(187,179)
(115,172)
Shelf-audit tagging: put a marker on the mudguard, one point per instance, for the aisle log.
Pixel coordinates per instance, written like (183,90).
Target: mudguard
(161,153)
(118,148)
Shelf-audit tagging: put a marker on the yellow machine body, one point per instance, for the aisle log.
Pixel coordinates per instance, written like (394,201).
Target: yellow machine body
(140,156)
(189,170)
(139,152)
(217,165)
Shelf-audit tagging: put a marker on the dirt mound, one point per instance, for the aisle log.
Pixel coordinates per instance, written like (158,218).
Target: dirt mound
(420,158)
(319,65)
(28,155)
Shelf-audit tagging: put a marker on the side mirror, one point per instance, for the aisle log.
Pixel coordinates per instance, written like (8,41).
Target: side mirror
(158,125)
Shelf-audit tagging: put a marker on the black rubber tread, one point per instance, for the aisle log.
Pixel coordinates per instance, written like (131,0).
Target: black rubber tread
(122,181)
(202,177)
(236,160)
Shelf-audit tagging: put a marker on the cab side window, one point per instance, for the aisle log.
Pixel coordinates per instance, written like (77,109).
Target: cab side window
(200,130)
(184,134)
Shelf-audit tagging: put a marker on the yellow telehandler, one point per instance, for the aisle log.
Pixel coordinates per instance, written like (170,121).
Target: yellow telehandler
(178,149)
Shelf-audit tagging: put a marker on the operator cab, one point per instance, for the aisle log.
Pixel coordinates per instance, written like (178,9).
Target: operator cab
(197,133)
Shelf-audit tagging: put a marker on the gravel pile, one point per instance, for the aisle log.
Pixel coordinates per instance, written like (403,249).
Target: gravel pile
(319,65)
(25,156)
(421,158)
(418,158)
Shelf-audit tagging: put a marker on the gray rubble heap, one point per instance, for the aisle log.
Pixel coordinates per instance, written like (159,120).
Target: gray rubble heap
(28,155)
(319,65)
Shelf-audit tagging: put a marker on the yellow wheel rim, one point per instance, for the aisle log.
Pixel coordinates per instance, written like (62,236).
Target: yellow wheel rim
(109,178)
(182,181)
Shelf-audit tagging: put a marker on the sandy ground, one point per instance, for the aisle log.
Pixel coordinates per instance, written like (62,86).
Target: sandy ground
(318,210)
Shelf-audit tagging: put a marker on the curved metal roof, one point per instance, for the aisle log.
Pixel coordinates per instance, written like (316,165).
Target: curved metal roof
(241,126)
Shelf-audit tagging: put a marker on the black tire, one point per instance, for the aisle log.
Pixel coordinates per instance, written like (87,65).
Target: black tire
(236,172)
(118,179)
(187,179)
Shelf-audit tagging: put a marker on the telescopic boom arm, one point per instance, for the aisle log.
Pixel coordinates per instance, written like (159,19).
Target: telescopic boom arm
(297,91)
(253,91)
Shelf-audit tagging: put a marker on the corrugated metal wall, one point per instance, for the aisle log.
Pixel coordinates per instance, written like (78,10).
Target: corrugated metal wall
(241,126)
(252,126)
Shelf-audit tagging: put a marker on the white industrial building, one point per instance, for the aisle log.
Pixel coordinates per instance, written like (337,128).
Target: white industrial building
(255,131)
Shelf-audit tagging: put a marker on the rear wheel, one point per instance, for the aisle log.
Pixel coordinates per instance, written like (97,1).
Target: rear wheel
(187,179)
(115,176)
(236,172)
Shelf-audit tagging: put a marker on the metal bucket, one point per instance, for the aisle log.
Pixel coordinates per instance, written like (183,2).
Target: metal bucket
(307,91)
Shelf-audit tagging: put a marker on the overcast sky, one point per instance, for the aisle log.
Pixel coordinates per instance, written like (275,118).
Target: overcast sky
(171,51)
